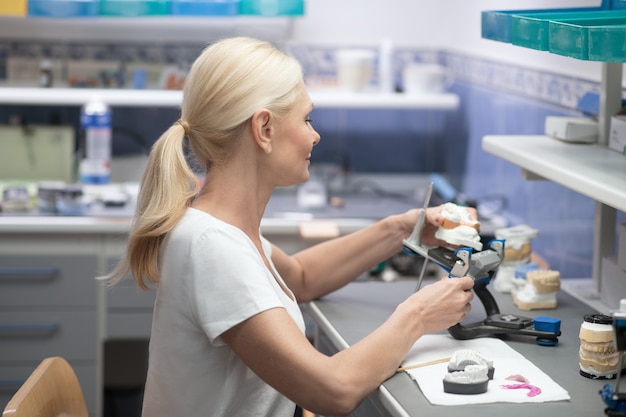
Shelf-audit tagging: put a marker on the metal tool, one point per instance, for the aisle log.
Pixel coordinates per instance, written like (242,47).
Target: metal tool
(481,266)
(414,241)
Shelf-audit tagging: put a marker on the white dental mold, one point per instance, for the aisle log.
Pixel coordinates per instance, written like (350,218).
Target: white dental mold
(458,228)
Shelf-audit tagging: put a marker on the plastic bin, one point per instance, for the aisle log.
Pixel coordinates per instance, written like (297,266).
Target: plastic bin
(13,7)
(63,8)
(532,30)
(271,7)
(590,39)
(496,24)
(205,7)
(607,44)
(134,8)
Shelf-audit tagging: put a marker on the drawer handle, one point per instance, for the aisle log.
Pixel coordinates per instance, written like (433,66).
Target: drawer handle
(28,330)
(34,274)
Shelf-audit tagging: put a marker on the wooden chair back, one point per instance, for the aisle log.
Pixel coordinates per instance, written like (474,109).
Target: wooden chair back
(52,390)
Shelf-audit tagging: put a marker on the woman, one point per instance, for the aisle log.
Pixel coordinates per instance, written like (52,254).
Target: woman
(227,334)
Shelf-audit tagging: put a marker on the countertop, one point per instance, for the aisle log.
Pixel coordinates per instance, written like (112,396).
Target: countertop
(353,312)
(283,216)
(368,199)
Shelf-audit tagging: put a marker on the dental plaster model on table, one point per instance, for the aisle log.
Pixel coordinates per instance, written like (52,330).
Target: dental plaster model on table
(518,252)
(532,284)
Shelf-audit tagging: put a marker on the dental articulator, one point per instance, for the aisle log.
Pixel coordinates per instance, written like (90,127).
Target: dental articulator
(481,266)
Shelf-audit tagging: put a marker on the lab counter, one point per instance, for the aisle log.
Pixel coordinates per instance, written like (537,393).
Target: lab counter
(349,314)
(372,197)
(121,225)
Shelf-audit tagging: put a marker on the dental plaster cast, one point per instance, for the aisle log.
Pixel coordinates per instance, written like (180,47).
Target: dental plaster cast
(598,357)
(517,251)
(461,358)
(469,372)
(458,228)
(540,290)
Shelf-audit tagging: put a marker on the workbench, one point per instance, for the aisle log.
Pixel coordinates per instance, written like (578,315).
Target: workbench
(349,314)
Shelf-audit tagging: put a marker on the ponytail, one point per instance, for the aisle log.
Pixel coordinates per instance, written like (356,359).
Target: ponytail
(167,188)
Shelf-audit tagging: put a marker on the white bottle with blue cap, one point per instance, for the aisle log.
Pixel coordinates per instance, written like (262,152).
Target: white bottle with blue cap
(95,120)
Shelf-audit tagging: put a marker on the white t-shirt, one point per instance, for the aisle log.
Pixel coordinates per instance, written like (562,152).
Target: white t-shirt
(212,278)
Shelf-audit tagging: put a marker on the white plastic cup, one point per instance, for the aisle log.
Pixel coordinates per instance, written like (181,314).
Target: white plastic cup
(354,69)
(426,79)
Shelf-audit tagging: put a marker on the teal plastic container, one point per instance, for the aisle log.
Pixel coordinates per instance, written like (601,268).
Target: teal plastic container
(63,8)
(496,25)
(577,38)
(608,43)
(271,7)
(205,7)
(531,30)
(135,8)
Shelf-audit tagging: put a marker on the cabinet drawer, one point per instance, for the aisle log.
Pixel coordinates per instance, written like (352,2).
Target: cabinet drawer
(127,296)
(48,280)
(12,377)
(129,325)
(27,336)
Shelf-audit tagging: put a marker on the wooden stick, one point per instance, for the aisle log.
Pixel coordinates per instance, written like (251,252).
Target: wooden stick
(420,365)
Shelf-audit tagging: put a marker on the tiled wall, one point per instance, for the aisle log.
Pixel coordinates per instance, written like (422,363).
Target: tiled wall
(564,218)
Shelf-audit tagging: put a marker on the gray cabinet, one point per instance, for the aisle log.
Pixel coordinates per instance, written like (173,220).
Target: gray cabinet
(129,309)
(47,308)
(51,303)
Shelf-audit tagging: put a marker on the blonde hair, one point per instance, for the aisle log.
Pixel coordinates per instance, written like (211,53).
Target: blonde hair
(227,84)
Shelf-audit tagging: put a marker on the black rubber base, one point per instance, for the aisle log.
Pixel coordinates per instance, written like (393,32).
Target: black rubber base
(465,389)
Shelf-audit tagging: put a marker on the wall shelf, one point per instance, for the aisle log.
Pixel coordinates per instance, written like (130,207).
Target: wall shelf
(152,29)
(591,170)
(172,98)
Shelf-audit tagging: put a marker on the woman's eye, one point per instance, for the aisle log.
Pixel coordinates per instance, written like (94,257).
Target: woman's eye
(308,120)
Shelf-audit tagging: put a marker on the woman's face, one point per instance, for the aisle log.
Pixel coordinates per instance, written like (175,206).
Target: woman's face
(294,141)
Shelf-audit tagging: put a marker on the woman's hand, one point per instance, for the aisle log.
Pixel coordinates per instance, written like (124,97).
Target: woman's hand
(434,219)
(443,303)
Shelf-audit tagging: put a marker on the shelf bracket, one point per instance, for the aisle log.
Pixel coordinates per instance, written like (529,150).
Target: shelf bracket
(531,176)
(605,216)
(610,98)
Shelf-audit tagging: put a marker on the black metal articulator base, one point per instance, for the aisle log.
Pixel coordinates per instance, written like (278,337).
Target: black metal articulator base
(482,267)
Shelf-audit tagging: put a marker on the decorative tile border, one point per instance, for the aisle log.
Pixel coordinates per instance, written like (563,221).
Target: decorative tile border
(548,87)
(545,86)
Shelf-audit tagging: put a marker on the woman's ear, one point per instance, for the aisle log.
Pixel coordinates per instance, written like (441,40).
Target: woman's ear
(263,129)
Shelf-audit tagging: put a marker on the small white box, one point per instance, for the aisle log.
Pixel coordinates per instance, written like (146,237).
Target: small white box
(621,248)
(572,129)
(617,137)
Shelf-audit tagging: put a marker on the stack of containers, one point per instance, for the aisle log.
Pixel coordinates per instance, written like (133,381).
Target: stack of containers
(136,8)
